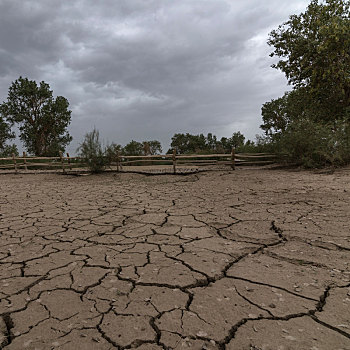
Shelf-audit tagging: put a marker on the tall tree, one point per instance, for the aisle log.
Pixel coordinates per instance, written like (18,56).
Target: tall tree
(314,52)
(42,120)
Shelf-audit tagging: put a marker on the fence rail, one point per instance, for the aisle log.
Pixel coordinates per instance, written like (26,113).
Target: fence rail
(174,160)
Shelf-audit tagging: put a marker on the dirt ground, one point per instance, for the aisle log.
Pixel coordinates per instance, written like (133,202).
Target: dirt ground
(250,259)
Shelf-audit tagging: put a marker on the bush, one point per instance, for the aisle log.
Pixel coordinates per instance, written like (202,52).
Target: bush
(314,145)
(91,151)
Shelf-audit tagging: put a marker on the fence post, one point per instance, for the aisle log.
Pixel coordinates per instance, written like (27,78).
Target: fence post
(118,160)
(62,162)
(14,162)
(25,161)
(233,165)
(174,160)
(69,163)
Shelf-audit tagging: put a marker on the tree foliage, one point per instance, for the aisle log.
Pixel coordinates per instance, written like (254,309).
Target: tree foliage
(314,52)
(188,143)
(8,150)
(235,141)
(152,147)
(42,120)
(5,135)
(310,124)
(313,144)
(278,114)
(5,131)
(133,148)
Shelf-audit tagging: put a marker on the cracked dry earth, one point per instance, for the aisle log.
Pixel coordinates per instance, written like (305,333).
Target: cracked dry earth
(251,259)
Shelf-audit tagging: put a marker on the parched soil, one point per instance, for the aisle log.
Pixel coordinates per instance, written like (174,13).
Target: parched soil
(249,259)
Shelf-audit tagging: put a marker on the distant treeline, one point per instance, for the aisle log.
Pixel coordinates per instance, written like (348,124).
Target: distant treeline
(193,144)
(99,157)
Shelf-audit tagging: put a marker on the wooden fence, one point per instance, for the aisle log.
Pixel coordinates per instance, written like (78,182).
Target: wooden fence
(122,162)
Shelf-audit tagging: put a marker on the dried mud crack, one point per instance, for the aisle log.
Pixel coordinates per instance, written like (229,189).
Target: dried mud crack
(251,259)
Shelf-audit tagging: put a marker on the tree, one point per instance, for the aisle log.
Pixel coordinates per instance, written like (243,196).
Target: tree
(280,113)
(181,142)
(235,141)
(314,48)
(152,147)
(133,148)
(188,143)
(310,124)
(42,120)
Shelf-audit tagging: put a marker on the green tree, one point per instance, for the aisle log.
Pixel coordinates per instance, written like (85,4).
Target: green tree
(152,147)
(42,120)
(310,124)
(133,148)
(236,141)
(314,52)
(182,143)
(188,143)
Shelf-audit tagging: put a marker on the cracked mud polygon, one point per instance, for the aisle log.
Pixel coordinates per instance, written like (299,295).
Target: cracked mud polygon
(253,259)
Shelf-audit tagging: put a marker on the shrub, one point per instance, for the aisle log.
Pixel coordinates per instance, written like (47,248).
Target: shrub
(313,145)
(91,151)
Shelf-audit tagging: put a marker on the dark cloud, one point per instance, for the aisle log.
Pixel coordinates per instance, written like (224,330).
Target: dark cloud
(147,69)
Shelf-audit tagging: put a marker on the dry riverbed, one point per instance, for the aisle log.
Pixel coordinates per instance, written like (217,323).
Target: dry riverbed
(251,259)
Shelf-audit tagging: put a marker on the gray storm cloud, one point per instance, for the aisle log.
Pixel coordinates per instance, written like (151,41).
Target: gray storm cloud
(147,69)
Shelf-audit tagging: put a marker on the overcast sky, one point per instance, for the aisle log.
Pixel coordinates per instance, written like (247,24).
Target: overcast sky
(146,69)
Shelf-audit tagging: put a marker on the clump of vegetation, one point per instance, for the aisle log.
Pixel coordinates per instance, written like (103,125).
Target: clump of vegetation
(315,145)
(92,153)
